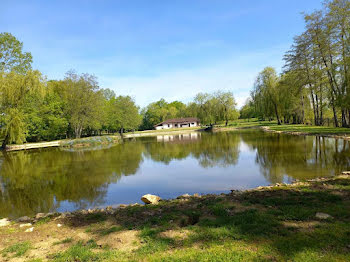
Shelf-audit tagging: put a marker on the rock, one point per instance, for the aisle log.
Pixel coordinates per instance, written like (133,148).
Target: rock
(25,225)
(59,225)
(150,199)
(196,195)
(346,173)
(320,215)
(23,219)
(4,222)
(30,229)
(184,196)
(40,215)
(122,206)
(51,214)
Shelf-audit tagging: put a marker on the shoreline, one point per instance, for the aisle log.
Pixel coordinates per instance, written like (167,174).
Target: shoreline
(93,140)
(259,219)
(113,208)
(81,142)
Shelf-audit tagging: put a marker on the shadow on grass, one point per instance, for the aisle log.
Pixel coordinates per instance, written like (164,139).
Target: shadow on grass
(253,223)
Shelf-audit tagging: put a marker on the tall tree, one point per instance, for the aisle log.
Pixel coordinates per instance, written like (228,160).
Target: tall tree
(12,57)
(14,90)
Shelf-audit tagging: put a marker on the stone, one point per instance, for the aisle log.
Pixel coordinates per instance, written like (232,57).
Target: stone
(4,222)
(150,199)
(346,173)
(25,225)
(23,219)
(196,195)
(29,230)
(59,225)
(320,215)
(184,196)
(40,215)
(51,214)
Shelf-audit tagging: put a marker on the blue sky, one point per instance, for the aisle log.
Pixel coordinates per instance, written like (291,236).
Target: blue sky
(154,49)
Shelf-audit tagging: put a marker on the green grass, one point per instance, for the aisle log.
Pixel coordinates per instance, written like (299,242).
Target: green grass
(84,252)
(107,231)
(310,129)
(272,125)
(18,249)
(64,241)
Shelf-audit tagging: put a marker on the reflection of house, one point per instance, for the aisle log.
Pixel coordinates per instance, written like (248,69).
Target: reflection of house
(179,137)
(178,123)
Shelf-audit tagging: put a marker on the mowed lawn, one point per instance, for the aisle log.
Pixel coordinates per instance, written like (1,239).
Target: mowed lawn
(307,129)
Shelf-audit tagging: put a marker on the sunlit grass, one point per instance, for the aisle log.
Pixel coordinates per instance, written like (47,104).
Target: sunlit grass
(18,249)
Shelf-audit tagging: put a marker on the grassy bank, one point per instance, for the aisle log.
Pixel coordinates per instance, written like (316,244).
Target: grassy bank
(90,141)
(285,128)
(277,223)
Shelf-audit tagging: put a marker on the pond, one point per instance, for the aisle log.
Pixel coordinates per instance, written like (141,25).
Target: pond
(169,165)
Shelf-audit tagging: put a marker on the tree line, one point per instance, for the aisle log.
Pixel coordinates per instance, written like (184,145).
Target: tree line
(315,82)
(33,108)
(209,108)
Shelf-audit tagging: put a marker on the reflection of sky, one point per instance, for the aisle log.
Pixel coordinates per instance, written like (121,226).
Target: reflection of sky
(183,176)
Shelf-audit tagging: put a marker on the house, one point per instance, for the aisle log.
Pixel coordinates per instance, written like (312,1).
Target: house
(178,123)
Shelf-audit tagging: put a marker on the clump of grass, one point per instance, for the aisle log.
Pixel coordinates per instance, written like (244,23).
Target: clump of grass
(18,249)
(110,230)
(77,252)
(64,241)
(43,220)
(83,252)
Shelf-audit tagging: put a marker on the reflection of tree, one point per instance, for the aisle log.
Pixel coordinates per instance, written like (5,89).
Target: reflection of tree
(299,157)
(219,149)
(36,181)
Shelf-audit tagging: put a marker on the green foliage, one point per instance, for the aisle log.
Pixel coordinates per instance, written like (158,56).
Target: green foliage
(315,83)
(160,111)
(14,90)
(12,57)
(209,108)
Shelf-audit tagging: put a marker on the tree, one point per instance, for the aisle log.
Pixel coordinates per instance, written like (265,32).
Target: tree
(84,102)
(12,58)
(15,89)
(266,92)
(227,106)
(129,118)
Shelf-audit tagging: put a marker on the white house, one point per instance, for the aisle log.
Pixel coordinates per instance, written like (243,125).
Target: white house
(178,123)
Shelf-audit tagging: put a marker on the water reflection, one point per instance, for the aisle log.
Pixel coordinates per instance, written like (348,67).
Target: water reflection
(52,179)
(298,157)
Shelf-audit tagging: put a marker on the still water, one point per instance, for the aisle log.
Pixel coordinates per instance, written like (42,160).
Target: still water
(64,180)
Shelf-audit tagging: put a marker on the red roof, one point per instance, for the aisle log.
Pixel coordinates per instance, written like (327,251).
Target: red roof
(185,120)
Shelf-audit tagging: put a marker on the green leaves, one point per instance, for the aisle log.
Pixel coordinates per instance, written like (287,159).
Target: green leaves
(12,58)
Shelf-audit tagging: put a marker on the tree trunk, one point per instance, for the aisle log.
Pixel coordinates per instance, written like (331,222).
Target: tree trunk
(277,116)
(344,121)
(334,112)
(5,142)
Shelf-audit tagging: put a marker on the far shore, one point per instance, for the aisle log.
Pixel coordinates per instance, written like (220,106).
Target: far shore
(303,130)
